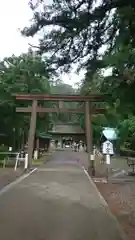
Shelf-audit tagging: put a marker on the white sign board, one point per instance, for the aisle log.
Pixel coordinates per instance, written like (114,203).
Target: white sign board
(107,159)
(108,148)
(10,149)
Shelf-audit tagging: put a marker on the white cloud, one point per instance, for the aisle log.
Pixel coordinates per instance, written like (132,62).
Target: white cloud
(15,15)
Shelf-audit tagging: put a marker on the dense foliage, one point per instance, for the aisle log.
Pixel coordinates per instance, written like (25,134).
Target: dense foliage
(26,73)
(59,87)
(94,35)
(119,109)
(80,28)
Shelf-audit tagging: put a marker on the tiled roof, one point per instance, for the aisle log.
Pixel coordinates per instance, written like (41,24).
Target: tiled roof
(67,129)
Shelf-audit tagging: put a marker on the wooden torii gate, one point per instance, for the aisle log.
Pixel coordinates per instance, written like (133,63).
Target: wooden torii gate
(35,108)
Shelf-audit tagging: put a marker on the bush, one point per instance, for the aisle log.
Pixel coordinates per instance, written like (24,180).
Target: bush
(3,149)
(127,152)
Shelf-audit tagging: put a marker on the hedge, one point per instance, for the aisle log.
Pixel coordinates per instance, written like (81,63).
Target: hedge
(127,152)
(3,149)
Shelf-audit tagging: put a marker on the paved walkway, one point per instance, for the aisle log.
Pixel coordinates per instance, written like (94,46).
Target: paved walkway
(58,202)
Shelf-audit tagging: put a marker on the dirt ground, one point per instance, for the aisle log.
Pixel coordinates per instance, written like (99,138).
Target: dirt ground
(121,200)
(8,175)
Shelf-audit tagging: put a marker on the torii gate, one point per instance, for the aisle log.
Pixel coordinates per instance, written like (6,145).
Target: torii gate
(86,109)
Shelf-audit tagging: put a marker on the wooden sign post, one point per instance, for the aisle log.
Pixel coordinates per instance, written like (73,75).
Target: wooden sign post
(108,152)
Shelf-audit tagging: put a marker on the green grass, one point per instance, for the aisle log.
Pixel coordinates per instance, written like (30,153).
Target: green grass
(36,163)
(11,163)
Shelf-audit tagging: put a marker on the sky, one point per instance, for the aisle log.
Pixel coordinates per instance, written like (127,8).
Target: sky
(14,15)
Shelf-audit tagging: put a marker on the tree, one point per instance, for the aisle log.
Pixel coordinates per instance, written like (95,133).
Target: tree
(79,29)
(112,117)
(59,87)
(26,73)
(127,133)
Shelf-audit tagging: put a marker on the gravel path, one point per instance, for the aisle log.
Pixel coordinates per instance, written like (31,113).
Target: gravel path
(121,200)
(57,202)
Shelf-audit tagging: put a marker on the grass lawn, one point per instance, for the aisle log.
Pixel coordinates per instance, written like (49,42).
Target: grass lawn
(11,163)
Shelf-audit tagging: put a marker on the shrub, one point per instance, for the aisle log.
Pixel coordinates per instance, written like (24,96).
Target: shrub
(3,150)
(127,152)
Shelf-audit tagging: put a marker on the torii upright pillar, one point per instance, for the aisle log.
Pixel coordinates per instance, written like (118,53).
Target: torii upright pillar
(88,125)
(32,132)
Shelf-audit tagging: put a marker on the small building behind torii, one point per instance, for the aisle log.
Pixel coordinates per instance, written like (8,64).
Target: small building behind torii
(42,141)
(67,132)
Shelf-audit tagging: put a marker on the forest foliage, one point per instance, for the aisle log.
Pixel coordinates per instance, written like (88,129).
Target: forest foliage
(93,35)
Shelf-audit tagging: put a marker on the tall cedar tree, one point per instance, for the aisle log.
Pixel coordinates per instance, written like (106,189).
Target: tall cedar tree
(79,28)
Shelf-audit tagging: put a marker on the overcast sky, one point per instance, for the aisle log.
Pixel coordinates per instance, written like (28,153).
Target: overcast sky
(14,15)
